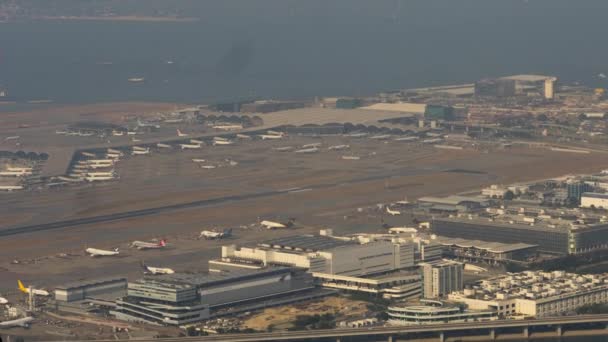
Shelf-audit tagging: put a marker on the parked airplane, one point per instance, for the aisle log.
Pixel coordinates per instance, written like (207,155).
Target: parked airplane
(338,147)
(381,137)
(243,136)
(351,157)
(21,322)
(10,188)
(276,225)
(311,145)
(283,149)
(212,234)
(357,135)
(160,145)
(149,245)
(198,160)
(308,150)
(88,154)
(195,141)
(3,300)
(180,134)
(270,136)
(190,146)
(99,178)
(156,270)
(113,151)
(274,132)
(222,142)
(228,127)
(118,133)
(14,137)
(36,292)
(407,139)
(94,252)
(392,212)
(14,173)
(61,132)
(208,167)
(138,152)
(146,124)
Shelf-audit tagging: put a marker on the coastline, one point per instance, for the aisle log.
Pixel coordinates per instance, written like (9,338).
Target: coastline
(125,18)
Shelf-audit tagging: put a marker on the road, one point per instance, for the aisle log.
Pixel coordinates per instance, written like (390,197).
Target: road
(387,331)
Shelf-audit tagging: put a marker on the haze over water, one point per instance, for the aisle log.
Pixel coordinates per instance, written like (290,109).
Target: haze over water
(292,49)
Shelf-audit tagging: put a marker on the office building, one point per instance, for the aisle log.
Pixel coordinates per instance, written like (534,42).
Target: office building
(441,278)
(495,88)
(435,312)
(594,200)
(535,293)
(576,190)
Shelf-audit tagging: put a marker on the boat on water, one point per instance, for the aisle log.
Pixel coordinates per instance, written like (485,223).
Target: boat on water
(136,79)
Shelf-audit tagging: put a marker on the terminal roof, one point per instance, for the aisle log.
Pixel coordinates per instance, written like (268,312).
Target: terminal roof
(311,243)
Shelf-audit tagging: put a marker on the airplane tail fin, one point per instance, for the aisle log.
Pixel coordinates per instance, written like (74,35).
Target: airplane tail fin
(116,250)
(21,287)
(163,243)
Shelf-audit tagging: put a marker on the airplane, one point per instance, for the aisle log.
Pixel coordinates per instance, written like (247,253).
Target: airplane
(89,134)
(100,166)
(308,150)
(228,127)
(392,212)
(198,160)
(406,139)
(113,156)
(131,133)
(381,137)
(61,132)
(3,300)
(14,137)
(156,270)
(208,167)
(10,188)
(180,134)
(88,154)
(274,132)
(113,151)
(100,161)
(99,178)
(160,145)
(136,152)
(94,252)
(222,142)
(21,322)
(283,149)
(14,173)
(212,235)
(195,141)
(276,225)
(190,146)
(149,245)
(243,136)
(311,145)
(146,124)
(357,135)
(36,292)
(351,157)
(338,147)
(118,133)
(270,136)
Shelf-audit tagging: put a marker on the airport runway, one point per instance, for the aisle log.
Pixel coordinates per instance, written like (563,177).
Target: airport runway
(201,203)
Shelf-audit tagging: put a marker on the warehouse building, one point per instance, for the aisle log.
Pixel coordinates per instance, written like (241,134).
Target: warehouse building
(326,254)
(555,236)
(535,293)
(594,200)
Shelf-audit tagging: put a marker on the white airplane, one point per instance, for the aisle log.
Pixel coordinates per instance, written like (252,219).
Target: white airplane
(113,151)
(36,292)
(61,132)
(100,166)
(3,301)
(88,134)
(283,149)
(351,157)
(243,136)
(222,142)
(308,150)
(195,141)
(213,235)
(276,225)
(270,136)
(19,169)
(156,270)
(392,212)
(14,137)
(357,135)
(198,160)
(190,146)
(146,124)
(118,133)
(274,132)
(14,173)
(21,322)
(98,178)
(208,167)
(381,137)
(407,139)
(101,174)
(311,145)
(131,133)
(138,152)
(160,145)
(228,127)
(100,161)
(113,156)
(10,188)
(180,134)
(94,252)
(88,154)
(338,147)
(432,141)
(149,245)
